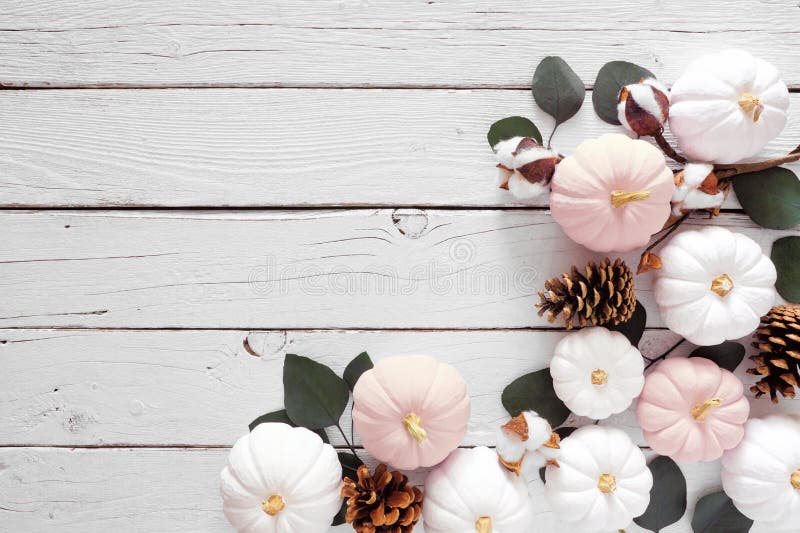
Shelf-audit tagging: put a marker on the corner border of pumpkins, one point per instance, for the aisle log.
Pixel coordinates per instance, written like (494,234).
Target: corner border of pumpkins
(613,194)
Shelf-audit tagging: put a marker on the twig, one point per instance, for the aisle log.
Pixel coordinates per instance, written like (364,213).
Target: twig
(663,355)
(671,229)
(667,148)
(352,449)
(728,171)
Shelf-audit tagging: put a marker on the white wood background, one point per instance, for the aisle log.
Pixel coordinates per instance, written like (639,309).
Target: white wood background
(178,177)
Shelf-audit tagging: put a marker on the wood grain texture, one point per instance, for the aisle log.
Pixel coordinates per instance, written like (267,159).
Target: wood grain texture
(171,490)
(295,269)
(366,43)
(269,147)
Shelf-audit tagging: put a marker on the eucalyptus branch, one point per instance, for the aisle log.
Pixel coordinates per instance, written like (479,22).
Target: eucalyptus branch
(349,445)
(664,355)
(675,225)
(728,171)
(667,148)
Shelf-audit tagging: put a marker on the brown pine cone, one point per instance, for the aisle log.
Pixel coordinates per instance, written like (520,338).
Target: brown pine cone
(778,338)
(382,502)
(602,295)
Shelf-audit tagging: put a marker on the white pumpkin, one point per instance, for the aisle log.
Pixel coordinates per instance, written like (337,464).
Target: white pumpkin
(281,479)
(762,474)
(597,372)
(470,492)
(727,106)
(714,285)
(602,482)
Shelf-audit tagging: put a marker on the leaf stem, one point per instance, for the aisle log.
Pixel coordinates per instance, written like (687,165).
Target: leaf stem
(728,171)
(664,355)
(550,139)
(667,148)
(671,229)
(352,449)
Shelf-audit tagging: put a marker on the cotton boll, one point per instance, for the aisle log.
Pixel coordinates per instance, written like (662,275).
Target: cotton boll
(696,187)
(643,107)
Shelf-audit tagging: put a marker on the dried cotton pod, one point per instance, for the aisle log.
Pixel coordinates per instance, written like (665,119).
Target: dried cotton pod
(527,442)
(696,187)
(643,107)
(525,167)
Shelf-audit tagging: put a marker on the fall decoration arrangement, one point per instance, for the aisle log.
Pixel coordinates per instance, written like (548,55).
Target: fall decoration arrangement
(622,192)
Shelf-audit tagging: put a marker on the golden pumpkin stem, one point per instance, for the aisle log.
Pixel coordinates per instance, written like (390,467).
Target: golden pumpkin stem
(751,104)
(620,198)
(413,424)
(722,285)
(796,479)
(273,505)
(599,377)
(607,483)
(700,411)
(484,524)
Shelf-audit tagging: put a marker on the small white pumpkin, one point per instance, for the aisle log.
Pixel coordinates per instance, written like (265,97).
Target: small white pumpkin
(281,479)
(762,474)
(602,482)
(727,106)
(597,372)
(714,285)
(470,492)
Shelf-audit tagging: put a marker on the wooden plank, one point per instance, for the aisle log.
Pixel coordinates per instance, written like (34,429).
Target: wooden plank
(356,43)
(268,147)
(171,490)
(295,269)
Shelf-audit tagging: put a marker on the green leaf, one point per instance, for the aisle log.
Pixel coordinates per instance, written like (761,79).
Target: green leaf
(667,497)
(282,417)
(716,513)
(612,77)
(314,396)
(513,127)
(786,256)
(633,328)
(563,433)
(357,366)
(770,197)
(535,392)
(727,355)
(557,89)
(350,464)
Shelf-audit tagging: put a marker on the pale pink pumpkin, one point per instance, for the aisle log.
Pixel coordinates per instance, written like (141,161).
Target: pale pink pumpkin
(692,410)
(410,411)
(612,194)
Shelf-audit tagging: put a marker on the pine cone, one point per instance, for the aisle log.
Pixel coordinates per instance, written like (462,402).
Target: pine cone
(382,502)
(603,295)
(778,338)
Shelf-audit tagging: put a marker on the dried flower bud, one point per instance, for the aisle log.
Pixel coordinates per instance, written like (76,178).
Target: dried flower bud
(696,187)
(643,107)
(525,167)
(649,262)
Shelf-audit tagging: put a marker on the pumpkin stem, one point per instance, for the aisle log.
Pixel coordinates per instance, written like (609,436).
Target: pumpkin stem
(751,104)
(273,505)
(700,411)
(796,479)
(599,377)
(722,285)
(607,483)
(620,198)
(413,422)
(484,524)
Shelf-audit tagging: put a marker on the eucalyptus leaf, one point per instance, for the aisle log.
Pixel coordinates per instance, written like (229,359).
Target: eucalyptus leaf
(770,197)
(357,366)
(715,513)
(314,396)
(667,497)
(611,79)
(535,392)
(727,355)
(513,127)
(633,328)
(282,417)
(338,520)
(786,256)
(558,91)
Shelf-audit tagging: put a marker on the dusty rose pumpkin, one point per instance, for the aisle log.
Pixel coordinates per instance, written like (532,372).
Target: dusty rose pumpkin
(612,194)
(692,410)
(410,411)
